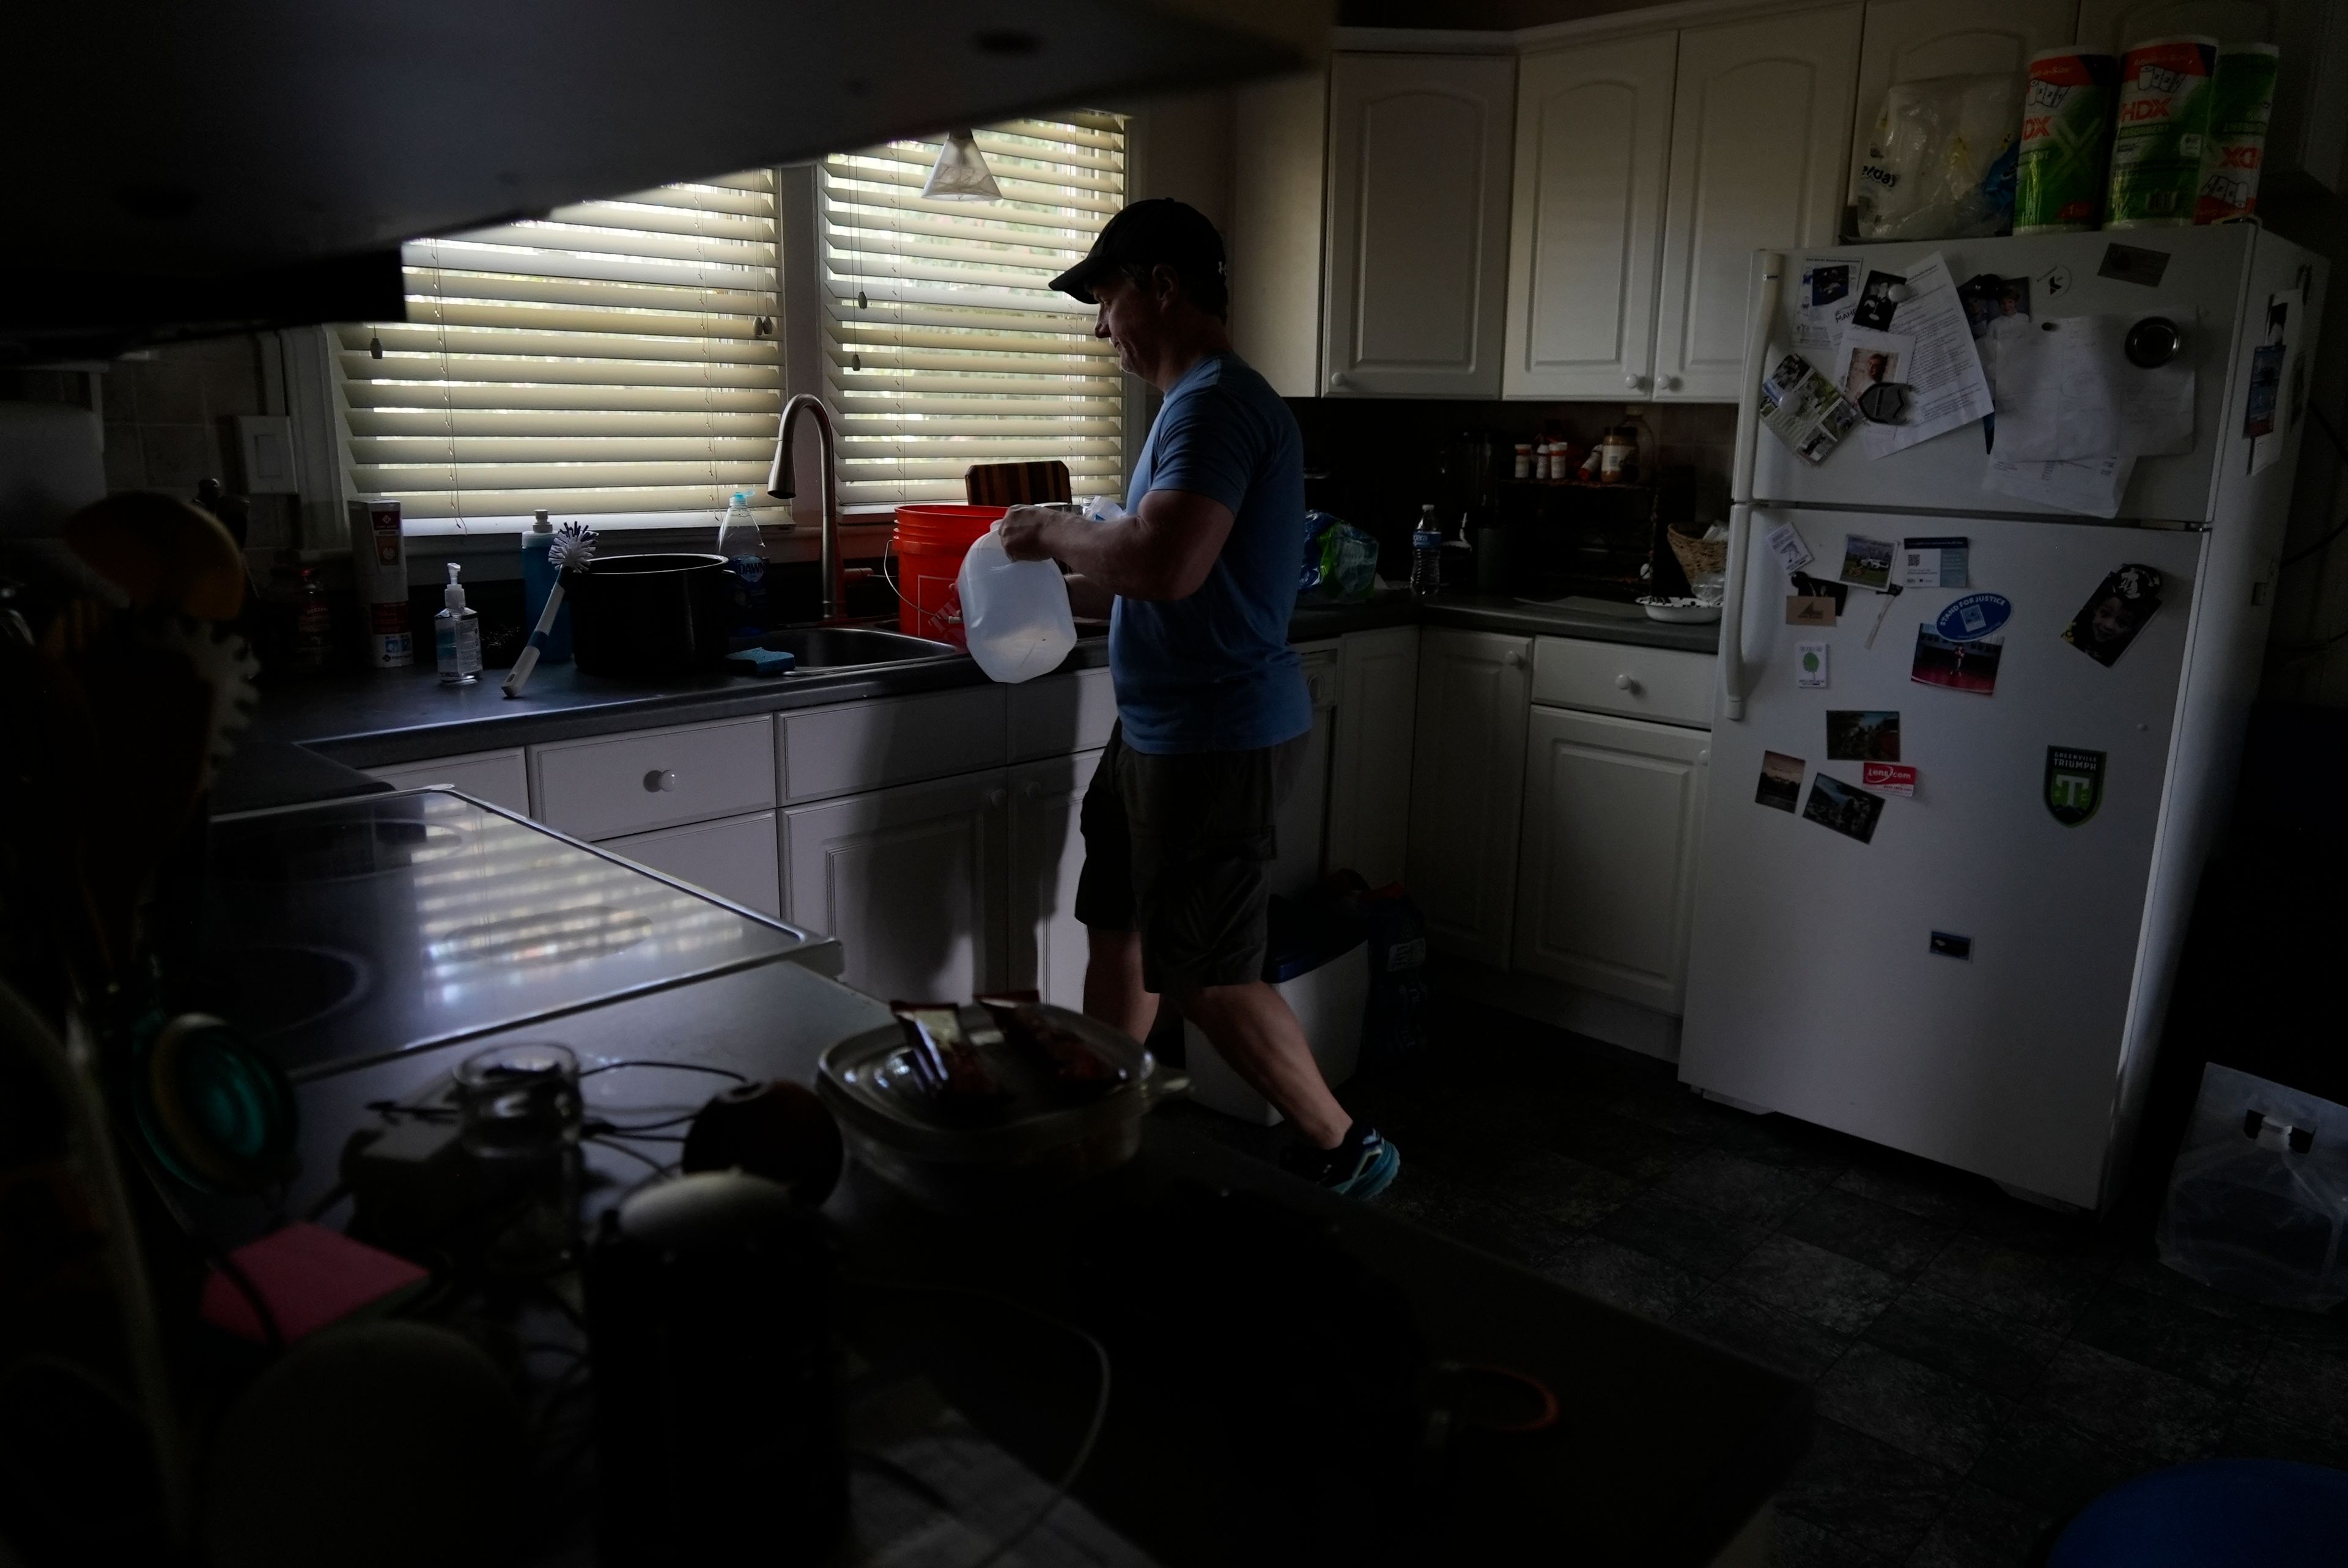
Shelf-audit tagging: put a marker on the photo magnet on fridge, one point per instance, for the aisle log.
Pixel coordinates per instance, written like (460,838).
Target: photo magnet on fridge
(1959,666)
(1878,297)
(2074,783)
(1810,666)
(1863,736)
(1866,563)
(1847,809)
(2115,613)
(1781,780)
(1891,778)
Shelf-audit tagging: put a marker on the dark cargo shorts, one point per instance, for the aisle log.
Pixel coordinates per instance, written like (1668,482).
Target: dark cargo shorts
(1175,848)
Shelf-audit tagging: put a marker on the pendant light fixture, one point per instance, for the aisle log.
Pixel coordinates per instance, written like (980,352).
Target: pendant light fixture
(961,173)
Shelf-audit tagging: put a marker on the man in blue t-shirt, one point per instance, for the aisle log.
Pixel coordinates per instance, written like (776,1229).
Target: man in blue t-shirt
(1197,580)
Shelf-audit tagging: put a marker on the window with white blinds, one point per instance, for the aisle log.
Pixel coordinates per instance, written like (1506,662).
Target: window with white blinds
(616,358)
(943,346)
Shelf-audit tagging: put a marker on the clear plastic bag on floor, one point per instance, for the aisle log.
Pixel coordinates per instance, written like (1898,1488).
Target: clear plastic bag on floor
(2258,1204)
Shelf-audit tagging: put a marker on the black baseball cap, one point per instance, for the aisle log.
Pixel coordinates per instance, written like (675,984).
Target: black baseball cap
(1158,232)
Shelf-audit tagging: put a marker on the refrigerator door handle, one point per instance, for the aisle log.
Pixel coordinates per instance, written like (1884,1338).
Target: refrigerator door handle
(1760,315)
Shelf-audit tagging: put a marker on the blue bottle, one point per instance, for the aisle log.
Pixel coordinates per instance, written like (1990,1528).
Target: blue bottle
(538,575)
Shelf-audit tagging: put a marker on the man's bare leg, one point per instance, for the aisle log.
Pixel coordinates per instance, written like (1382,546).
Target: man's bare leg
(1114,991)
(1259,1039)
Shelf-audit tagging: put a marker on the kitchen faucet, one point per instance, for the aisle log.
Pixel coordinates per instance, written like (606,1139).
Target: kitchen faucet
(782,486)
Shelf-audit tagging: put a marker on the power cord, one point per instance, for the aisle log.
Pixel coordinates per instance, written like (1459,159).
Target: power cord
(1092,1429)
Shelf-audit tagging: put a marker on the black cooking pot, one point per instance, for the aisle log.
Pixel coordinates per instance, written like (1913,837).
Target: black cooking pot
(650,614)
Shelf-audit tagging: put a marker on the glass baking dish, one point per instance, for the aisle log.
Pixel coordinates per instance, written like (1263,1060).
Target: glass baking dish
(867,1081)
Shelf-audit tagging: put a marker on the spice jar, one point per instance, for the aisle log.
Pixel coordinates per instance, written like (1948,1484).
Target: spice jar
(1618,457)
(1523,466)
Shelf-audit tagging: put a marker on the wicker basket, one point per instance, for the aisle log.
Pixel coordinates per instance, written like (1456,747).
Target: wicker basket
(1698,557)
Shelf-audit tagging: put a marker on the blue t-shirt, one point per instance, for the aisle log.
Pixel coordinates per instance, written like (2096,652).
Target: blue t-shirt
(1214,673)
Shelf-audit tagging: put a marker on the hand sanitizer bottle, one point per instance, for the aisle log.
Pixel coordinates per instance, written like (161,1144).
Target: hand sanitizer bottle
(457,632)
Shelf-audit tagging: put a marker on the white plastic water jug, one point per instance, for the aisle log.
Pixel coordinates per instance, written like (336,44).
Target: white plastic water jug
(1015,614)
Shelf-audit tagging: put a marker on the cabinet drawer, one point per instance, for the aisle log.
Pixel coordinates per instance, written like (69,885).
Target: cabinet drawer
(1061,714)
(500,778)
(1665,684)
(869,746)
(735,859)
(656,778)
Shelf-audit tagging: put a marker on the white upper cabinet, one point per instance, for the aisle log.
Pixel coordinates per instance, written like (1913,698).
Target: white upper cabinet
(2114,24)
(1910,40)
(1419,151)
(1593,146)
(1282,129)
(1761,119)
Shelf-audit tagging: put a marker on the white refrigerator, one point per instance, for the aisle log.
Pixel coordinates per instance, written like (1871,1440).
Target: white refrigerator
(1982,980)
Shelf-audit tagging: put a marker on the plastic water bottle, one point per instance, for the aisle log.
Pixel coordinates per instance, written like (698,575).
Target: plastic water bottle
(745,557)
(538,577)
(1427,555)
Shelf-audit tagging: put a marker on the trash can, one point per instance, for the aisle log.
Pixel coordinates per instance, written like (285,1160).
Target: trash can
(1321,966)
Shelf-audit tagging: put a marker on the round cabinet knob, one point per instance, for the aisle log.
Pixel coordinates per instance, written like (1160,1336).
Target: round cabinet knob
(660,779)
(1031,789)
(1634,380)
(1671,384)
(1339,380)
(1513,659)
(1624,683)
(1703,758)
(996,798)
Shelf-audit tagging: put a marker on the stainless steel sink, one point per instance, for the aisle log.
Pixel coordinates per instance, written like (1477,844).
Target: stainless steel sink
(850,647)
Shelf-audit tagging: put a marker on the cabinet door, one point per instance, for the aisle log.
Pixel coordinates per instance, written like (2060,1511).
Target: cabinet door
(1760,129)
(1278,198)
(734,858)
(1908,40)
(2114,24)
(1594,139)
(1370,763)
(1418,224)
(1301,829)
(1613,813)
(1047,853)
(1474,694)
(912,882)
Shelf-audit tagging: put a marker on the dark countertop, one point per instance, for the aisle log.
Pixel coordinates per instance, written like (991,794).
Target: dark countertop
(366,718)
(1665,1447)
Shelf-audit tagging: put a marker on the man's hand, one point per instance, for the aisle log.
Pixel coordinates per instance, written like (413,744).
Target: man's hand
(1027,530)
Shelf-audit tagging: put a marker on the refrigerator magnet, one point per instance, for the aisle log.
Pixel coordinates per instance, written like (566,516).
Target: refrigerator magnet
(1810,609)
(1866,563)
(1974,617)
(1846,808)
(1863,736)
(1891,778)
(1949,945)
(1959,666)
(2074,783)
(1934,562)
(1785,542)
(1781,782)
(2115,613)
(1810,666)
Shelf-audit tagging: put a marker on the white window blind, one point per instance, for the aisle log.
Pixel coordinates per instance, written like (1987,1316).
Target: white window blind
(617,358)
(943,346)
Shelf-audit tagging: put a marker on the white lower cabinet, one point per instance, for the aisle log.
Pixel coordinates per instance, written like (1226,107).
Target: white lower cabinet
(1613,813)
(1370,759)
(1474,691)
(1300,828)
(732,857)
(500,778)
(1049,948)
(911,881)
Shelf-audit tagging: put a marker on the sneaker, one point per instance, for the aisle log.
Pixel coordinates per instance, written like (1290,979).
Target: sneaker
(1361,1167)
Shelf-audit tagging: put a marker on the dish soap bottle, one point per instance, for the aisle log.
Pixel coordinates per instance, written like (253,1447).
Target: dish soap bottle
(745,557)
(457,632)
(538,575)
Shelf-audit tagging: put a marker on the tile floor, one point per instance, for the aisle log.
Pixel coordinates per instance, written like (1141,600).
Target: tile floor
(1983,1367)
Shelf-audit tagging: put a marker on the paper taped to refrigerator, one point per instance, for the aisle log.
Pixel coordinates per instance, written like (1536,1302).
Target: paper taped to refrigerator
(1829,292)
(2069,390)
(2092,486)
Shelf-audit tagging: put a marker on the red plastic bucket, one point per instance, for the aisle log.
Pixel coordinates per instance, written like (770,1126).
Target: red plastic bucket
(930,541)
